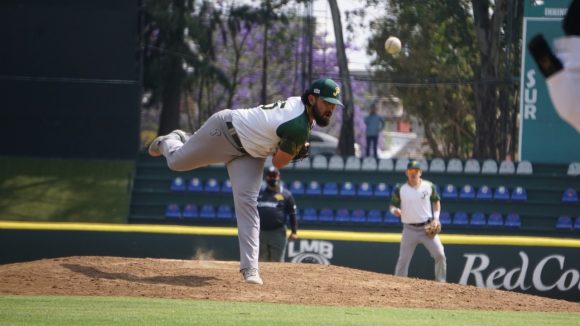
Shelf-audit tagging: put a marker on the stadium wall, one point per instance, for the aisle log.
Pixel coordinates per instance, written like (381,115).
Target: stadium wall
(70,78)
(534,265)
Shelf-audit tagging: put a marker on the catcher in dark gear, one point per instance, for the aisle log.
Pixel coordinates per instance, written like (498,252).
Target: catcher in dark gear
(275,205)
(418,206)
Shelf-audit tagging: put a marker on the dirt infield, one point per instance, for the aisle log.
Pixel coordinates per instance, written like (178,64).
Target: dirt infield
(305,284)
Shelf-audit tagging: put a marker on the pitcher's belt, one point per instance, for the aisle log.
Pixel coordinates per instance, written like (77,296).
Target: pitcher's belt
(235,136)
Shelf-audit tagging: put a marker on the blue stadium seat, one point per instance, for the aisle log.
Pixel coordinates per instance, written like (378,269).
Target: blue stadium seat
(313,188)
(449,192)
(564,222)
(211,185)
(501,193)
(342,215)
(519,194)
(178,184)
(445,218)
(330,189)
(570,196)
(513,220)
(326,215)
(467,192)
(207,211)
(382,190)
(195,185)
(172,211)
(227,186)
(375,216)
(391,219)
(359,215)
(309,214)
(495,219)
(225,212)
(297,187)
(365,189)
(347,189)
(190,211)
(484,193)
(478,219)
(460,218)
(577,223)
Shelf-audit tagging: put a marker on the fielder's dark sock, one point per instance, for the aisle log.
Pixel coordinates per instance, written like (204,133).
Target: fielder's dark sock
(571,24)
(548,63)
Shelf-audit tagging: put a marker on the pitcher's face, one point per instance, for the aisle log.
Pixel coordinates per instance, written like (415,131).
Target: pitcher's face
(322,111)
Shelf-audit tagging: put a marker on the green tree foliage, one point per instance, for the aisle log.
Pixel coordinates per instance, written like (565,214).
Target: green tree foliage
(178,52)
(444,74)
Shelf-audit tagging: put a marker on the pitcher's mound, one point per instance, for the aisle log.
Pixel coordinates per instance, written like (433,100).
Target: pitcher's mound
(306,284)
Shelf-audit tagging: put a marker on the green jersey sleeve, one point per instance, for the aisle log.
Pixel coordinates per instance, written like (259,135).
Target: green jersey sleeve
(396,197)
(293,134)
(434,194)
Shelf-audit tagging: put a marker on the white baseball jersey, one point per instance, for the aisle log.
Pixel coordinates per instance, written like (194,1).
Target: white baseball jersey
(263,129)
(415,203)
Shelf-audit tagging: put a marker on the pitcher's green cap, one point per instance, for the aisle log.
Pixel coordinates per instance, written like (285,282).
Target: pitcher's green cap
(327,89)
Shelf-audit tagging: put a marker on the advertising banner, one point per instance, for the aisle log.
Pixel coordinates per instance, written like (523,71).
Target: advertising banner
(544,136)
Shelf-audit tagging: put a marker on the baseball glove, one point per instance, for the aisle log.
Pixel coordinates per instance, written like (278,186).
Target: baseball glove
(303,153)
(433,228)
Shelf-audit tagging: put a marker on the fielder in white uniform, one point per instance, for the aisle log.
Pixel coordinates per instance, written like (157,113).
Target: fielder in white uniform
(242,139)
(416,203)
(562,70)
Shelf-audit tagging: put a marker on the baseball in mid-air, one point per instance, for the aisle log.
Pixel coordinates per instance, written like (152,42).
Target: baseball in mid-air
(393,45)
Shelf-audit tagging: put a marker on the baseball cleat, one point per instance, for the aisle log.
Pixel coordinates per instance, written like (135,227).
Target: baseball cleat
(155,146)
(251,276)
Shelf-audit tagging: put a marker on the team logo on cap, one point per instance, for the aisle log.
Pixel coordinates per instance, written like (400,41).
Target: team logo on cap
(336,91)
(316,91)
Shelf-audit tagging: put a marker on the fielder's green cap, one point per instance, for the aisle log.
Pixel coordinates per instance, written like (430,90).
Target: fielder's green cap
(327,89)
(413,165)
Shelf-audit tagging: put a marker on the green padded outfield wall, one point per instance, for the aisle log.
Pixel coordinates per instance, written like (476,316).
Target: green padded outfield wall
(544,136)
(70,78)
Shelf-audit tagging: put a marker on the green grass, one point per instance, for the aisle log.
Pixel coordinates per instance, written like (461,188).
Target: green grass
(64,190)
(62,311)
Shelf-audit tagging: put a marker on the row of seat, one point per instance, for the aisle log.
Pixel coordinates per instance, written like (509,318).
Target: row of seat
(178,184)
(341,215)
(437,165)
(566,222)
(378,216)
(373,216)
(206,211)
(366,189)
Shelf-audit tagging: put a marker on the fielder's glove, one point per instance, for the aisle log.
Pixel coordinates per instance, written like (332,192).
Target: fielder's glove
(433,228)
(303,153)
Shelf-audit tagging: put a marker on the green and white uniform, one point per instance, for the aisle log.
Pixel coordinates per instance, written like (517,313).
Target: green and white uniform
(283,125)
(416,210)
(261,130)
